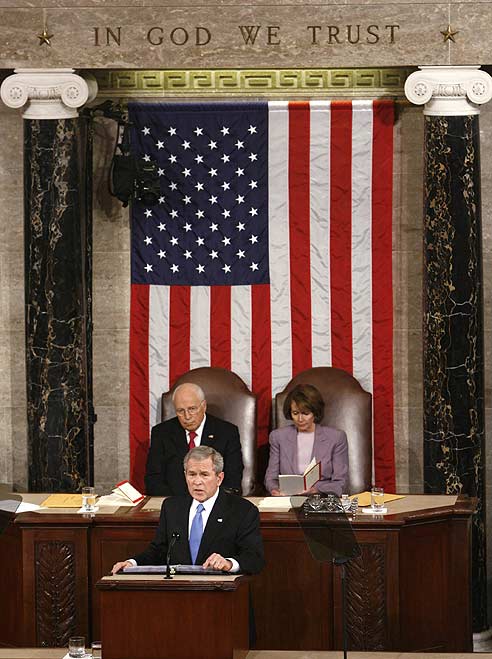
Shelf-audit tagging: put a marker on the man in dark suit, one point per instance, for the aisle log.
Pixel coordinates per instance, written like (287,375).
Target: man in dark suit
(213,528)
(172,439)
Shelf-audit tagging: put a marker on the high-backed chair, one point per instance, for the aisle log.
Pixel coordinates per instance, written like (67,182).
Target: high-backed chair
(347,407)
(228,398)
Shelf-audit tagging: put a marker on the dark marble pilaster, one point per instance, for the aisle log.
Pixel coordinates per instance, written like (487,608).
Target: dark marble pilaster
(57,305)
(453,326)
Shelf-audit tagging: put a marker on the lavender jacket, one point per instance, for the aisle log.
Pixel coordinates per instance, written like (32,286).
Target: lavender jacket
(330,447)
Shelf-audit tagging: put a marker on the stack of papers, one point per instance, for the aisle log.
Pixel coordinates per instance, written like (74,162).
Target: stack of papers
(63,501)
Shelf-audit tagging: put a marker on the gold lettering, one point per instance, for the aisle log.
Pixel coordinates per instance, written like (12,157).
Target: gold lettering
(349,34)
(198,32)
(392,29)
(314,37)
(249,33)
(158,39)
(272,34)
(185,36)
(115,37)
(333,31)
(111,36)
(373,31)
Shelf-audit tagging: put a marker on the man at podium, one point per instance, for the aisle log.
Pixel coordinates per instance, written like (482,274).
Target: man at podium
(210,527)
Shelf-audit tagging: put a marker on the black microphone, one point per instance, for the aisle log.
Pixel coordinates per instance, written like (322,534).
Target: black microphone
(174,539)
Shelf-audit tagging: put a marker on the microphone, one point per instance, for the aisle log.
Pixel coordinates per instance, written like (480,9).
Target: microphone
(174,538)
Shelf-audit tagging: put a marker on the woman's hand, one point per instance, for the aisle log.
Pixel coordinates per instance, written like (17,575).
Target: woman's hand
(276,493)
(308,493)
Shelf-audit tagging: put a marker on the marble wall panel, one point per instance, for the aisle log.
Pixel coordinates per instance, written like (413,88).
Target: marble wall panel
(472,43)
(111,450)
(292,44)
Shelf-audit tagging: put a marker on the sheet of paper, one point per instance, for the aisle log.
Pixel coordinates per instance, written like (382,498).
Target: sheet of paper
(63,501)
(365,498)
(115,499)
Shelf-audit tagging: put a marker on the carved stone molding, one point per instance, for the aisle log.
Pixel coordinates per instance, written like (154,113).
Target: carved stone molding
(449,90)
(48,93)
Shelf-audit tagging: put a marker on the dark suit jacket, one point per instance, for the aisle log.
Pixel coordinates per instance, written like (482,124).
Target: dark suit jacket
(330,448)
(164,474)
(232,530)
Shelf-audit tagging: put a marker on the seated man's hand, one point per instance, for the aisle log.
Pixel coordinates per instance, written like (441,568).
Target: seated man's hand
(218,562)
(119,566)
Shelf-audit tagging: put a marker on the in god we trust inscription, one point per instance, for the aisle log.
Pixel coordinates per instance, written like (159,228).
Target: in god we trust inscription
(254,35)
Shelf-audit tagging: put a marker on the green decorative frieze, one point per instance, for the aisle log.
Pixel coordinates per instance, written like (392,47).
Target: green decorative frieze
(254,82)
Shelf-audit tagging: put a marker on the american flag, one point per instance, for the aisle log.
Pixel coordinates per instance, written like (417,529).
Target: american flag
(267,251)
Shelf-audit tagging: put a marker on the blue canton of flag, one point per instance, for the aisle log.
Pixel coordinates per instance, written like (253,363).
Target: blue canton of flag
(210,225)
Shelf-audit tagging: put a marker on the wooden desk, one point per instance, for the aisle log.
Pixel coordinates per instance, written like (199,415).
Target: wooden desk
(410,590)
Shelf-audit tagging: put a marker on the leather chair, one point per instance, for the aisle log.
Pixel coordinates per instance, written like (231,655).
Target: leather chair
(347,407)
(228,398)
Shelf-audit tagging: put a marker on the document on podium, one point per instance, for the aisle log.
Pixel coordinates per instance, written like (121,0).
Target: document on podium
(175,569)
(290,484)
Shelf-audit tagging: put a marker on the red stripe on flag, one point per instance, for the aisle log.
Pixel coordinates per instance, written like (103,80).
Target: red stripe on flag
(382,294)
(139,383)
(299,235)
(261,358)
(341,235)
(220,326)
(179,331)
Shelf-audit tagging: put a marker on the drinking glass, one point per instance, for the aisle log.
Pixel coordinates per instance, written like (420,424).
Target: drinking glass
(88,499)
(76,646)
(377,499)
(315,501)
(346,502)
(96,650)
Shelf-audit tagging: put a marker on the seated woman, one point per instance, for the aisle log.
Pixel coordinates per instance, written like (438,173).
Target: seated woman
(293,447)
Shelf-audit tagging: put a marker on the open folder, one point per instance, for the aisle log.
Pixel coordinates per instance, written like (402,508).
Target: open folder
(290,484)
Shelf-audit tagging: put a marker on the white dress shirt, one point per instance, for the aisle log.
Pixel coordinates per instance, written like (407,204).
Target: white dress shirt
(199,432)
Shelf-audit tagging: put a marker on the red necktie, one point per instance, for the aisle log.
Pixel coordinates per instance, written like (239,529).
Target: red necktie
(192,434)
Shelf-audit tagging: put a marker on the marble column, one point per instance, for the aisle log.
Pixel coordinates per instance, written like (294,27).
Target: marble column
(453,353)
(57,215)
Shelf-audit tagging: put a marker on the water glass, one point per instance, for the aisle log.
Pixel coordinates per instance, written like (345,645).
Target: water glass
(315,501)
(76,646)
(377,499)
(96,650)
(346,502)
(88,499)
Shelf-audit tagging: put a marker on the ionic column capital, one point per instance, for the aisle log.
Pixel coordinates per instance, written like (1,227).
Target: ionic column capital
(449,90)
(48,93)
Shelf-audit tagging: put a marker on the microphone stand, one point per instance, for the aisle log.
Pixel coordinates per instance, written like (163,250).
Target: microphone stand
(341,562)
(174,539)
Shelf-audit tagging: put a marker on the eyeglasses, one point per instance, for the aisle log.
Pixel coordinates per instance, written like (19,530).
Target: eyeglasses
(191,411)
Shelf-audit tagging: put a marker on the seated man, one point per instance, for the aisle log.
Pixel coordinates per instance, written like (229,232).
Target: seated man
(213,528)
(172,439)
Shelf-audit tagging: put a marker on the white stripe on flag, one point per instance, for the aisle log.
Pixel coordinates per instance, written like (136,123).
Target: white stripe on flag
(158,349)
(199,326)
(362,119)
(320,232)
(241,332)
(278,213)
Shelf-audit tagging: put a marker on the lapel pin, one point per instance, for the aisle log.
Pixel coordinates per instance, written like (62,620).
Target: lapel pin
(210,436)
(219,519)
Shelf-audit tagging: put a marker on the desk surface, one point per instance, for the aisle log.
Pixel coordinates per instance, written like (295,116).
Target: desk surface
(59,653)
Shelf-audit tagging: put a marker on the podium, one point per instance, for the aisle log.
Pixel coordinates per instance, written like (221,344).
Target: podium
(186,617)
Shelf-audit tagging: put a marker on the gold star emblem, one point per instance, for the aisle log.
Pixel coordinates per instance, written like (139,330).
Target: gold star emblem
(449,34)
(45,37)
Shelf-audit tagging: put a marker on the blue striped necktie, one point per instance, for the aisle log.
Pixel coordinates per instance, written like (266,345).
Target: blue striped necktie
(196,532)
